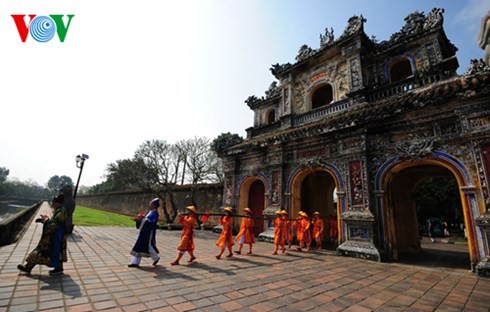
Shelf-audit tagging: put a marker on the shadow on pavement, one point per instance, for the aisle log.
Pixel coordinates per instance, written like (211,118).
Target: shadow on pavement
(210,269)
(62,283)
(439,256)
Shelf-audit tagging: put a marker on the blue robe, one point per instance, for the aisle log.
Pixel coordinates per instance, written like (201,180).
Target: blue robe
(146,236)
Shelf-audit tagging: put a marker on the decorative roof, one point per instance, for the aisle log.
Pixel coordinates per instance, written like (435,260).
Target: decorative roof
(459,87)
(272,93)
(416,24)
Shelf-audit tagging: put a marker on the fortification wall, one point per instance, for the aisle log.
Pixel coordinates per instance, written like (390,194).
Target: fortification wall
(208,198)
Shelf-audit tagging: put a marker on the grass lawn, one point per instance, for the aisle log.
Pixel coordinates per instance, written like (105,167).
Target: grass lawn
(90,216)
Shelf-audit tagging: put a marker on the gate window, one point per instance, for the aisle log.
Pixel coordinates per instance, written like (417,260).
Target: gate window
(271,117)
(400,70)
(322,96)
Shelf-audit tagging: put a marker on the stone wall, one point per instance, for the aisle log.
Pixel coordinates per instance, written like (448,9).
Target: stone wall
(208,198)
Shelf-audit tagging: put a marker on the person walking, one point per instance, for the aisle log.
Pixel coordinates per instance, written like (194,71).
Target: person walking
(69,204)
(430,229)
(306,228)
(225,240)
(317,229)
(187,238)
(288,236)
(245,235)
(298,224)
(145,245)
(279,232)
(51,249)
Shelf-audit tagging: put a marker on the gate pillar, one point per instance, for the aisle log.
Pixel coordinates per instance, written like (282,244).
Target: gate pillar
(358,221)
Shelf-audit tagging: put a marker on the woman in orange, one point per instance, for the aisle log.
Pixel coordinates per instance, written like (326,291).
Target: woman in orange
(245,236)
(279,232)
(225,240)
(317,229)
(306,228)
(187,239)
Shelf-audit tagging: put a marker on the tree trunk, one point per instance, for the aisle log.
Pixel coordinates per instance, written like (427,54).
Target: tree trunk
(173,205)
(164,206)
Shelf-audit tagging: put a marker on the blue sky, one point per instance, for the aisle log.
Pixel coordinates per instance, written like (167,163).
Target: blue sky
(130,71)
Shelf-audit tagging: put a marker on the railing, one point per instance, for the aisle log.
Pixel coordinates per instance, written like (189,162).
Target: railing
(266,129)
(12,228)
(402,87)
(371,95)
(322,112)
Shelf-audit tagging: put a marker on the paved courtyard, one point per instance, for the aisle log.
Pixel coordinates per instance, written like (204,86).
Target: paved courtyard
(97,278)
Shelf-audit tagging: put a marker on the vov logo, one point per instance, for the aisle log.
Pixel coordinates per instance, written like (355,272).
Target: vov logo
(42,28)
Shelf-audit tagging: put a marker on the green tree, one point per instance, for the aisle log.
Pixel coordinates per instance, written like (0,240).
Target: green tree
(4,172)
(438,197)
(55,182)
(224,141)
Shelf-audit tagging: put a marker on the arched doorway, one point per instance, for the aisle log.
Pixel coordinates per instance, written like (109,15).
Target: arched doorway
(256,204)
(313,190)
(408,215)
(252,195)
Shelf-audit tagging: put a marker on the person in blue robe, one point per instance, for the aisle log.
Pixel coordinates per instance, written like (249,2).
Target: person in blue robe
(145,245)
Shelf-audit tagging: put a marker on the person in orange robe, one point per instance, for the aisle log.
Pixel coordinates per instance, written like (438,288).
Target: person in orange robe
(306,228)
(288,236)
(317,229)
(279,232)
(299,230)
(245,235)
(187,238)
(225,240)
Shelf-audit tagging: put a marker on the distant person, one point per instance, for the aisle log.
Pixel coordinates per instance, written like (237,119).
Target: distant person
(187,238)
(225,240)
(145,245)
(445,228)
(430,229)
(51,249)
(69,204)
(245,235)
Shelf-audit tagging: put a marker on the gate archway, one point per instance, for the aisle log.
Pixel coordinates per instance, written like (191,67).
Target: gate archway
(253,195)
(312,189)
(392,182)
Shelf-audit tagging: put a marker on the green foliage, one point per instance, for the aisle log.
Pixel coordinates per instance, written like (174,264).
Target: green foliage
(95,217)
(55,182)
(438,197)
(4,172)
(224,141)
(27,190)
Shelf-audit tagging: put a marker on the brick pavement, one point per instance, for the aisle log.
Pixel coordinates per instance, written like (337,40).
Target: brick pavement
(97,278)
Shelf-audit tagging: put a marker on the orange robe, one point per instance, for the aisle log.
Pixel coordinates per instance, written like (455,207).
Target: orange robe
(226,237)
(305,227)
(246,231)
(299,229)
(279,231)
(289,235)
(187,238)
(318,228)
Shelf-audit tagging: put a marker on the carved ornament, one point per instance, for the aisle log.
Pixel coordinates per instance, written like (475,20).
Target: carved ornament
(415,148)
